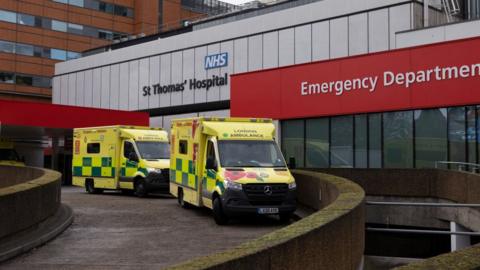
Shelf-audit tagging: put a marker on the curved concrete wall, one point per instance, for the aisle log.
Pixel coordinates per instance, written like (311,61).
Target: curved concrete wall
(461,187)
(332,238)
(27,196)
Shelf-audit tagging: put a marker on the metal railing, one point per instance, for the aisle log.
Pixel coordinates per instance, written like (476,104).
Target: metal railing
(460,166)
(423,204)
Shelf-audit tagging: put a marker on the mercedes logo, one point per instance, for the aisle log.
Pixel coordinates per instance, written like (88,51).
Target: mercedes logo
(267,190)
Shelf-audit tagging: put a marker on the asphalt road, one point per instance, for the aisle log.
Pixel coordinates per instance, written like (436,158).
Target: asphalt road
(115,231)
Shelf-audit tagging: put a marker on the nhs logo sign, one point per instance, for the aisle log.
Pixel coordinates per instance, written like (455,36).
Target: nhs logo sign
(216,60)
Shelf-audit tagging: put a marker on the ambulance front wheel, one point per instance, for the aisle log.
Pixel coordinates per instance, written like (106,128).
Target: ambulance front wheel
(140,188)
(218,214)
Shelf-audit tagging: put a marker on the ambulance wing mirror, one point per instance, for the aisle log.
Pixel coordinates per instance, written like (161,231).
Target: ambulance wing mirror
(133,156)
(292,164)
(211,164)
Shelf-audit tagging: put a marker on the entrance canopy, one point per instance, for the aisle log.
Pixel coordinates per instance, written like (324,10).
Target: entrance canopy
(29,120)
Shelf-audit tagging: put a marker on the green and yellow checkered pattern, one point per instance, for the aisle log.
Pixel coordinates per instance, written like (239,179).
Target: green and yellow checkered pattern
(183,173)
(131,167)
(93,166)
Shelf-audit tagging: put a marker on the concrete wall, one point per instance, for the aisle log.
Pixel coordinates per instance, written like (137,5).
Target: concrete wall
(332,238)
(27,196)
(438,34)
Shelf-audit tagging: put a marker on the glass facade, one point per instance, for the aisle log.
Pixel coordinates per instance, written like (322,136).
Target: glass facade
(401,139)
(100,6)
(31,50)
(47,23)
(25,79)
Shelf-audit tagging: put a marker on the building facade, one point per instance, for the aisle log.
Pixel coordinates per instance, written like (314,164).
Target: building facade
(190,74)
(35,35)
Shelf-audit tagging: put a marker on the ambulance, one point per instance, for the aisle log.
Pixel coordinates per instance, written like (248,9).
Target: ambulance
(127,158)
(8,155)
(232,166)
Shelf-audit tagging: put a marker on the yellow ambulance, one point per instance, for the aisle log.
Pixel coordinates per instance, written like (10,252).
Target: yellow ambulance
(230,165)
(8,155)
(127,158)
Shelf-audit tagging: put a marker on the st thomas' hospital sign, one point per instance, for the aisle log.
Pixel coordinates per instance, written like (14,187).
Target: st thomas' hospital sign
(211,61)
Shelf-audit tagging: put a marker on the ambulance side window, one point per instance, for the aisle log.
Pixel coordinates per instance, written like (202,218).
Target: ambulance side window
(93,148)
(183,147)
(211,162)
(127,149)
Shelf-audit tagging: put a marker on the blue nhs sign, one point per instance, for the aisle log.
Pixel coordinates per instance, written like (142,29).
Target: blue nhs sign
(216,60)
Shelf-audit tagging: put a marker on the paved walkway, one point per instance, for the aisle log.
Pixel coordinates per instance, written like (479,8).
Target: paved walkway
(114,231)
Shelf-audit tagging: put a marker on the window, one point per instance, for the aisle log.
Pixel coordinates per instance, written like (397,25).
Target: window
(93,148)
(430,137)
(211,152)
(317,143)
(38,51)
(249,154)
(7,47)
(61,1)
(153,150)
(78,3)
(457,134)
(106,7)
(398,139)
(341,148)
(41,82)
(120,11)
(183,147)
(24,80)
(75,28)
(58,54)
(105,34)
(59,26)
(92,4)
(24,49)
(6,77)
(293,141)
(375,140)
(8,16)
(128,149)
(471,134)
(361,139)
(26,19)
(73,55)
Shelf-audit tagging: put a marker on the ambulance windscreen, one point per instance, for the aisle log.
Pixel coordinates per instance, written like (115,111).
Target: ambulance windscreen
(250,154)
(153,150)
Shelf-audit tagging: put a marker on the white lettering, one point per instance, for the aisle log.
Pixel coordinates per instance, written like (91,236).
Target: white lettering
(388,78)
(303,88)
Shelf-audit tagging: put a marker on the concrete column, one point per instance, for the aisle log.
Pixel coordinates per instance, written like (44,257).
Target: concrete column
(458,241)
(55,151)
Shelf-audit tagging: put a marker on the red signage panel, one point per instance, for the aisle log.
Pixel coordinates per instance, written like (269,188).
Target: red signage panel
(437,75)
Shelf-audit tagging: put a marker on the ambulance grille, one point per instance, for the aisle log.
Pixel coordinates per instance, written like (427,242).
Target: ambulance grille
(256,194)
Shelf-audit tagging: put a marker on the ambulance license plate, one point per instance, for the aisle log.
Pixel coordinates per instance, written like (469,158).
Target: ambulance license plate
(267,210)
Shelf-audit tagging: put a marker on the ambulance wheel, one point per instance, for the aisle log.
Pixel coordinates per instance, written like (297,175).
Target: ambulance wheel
(180,199)
(218,214)
(140,188)
(90,188)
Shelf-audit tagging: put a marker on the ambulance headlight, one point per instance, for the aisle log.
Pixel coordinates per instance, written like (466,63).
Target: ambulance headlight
(154,170)
(292,185)
(233,185)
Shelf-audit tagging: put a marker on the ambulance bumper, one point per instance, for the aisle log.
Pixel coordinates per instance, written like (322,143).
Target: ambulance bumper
(237,202)
(157,182)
